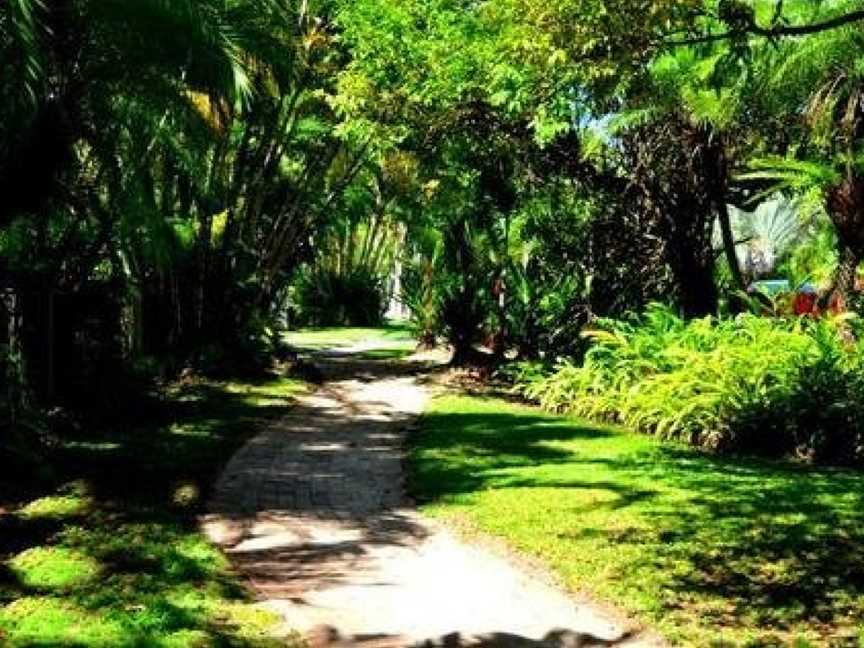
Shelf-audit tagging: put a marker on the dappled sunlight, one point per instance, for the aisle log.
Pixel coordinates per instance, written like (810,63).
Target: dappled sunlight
(54,568)
(313,512)
(72,501)
(243,243)
(735,548)
(113,559)
(100,582)
(37,620)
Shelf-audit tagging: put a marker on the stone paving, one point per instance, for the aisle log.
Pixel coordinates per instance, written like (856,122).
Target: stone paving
(312,511)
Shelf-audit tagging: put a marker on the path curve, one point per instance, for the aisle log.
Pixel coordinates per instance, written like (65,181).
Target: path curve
(312,511)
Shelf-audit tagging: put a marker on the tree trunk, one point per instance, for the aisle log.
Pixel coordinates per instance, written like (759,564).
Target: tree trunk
(697,291)
(50,344)
(844,278)
(729,244)
(16,368)
(845,207)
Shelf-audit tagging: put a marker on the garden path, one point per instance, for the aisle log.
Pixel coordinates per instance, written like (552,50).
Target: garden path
(313,512)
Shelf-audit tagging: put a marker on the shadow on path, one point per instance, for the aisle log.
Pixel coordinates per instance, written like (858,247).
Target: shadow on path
(313,511)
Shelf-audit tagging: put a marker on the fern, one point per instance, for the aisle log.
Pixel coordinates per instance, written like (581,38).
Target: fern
(704,381)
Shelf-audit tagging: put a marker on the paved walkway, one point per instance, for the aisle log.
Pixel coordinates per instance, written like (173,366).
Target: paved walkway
(313,512)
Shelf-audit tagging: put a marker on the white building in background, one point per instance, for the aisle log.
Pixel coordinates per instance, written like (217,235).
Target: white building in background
(396,309)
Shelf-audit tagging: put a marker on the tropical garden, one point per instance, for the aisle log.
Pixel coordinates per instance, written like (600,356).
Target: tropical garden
(637,227)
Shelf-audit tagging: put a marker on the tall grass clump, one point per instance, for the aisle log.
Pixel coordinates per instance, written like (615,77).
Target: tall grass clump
(327,297)
(752,384)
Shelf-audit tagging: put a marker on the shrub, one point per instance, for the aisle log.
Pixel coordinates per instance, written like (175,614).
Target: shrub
(325,297)
(421,298)
(754,384)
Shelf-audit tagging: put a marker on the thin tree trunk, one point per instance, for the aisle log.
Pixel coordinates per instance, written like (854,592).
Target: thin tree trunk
(50,344)
(729,245)
(844,278)
(16,368)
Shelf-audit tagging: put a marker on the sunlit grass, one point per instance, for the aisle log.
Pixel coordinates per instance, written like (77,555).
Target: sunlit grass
(704,549)
(52,621)
(395,337)
(54,568)
(385,353)
(114,559)
(72,500)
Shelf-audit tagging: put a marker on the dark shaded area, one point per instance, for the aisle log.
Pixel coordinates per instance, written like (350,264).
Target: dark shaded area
(781,544)
(555,638)
(325,297)
(495,441)
(145,478)
(168,439)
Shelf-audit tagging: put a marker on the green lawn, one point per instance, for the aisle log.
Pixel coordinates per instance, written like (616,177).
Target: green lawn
(391,341)
(706,550)
(112,558)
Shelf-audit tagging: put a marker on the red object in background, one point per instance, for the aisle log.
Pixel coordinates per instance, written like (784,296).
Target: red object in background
(837,304)
(805,304)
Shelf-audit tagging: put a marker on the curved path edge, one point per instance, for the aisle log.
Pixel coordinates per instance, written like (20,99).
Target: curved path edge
(312,512)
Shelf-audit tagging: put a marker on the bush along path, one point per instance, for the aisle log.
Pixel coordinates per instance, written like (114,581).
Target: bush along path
(312,511)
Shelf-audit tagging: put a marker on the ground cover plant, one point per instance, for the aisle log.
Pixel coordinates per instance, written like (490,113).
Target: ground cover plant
(111,556)
(768,385)
(709,551)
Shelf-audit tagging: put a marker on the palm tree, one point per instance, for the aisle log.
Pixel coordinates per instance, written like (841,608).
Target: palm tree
(829,159)
(692,85)
(765,235)
(99,119)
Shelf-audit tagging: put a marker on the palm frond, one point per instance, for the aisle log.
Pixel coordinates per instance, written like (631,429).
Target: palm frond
(26,28)
(788,173)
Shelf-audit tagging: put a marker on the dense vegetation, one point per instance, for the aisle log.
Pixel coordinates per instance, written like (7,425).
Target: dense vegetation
(182,180)
(770,386)
(655,206)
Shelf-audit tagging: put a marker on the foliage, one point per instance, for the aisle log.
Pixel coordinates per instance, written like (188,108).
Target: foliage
(709,551)
(328,298)
(421,297)
(177,158)
(814,259)
(766,235)
(111,556)
(745,384)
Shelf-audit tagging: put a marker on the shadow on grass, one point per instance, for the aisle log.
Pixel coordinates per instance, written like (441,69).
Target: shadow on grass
(484,444)
(742,544)
(384,354)
(782,545)
(116,559)
(185,437)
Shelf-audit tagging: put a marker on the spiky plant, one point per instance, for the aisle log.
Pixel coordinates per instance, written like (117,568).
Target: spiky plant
(817,84)
(764,236)
(749,383)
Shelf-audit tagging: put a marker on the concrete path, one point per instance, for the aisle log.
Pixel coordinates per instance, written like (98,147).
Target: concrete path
(313,512)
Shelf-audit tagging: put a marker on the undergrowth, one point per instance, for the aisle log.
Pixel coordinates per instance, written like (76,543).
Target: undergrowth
(755,384)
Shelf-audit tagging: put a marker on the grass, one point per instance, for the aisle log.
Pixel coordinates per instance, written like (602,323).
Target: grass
(112,558)
(709,551)
(393,340)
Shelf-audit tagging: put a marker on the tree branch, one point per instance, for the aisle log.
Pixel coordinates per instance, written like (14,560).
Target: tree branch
(777,31)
